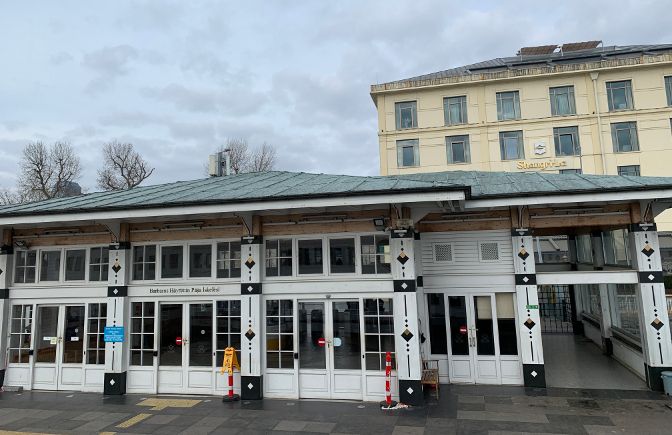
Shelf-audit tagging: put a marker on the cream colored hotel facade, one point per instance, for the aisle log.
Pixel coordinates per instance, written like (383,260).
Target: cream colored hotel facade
(603,110)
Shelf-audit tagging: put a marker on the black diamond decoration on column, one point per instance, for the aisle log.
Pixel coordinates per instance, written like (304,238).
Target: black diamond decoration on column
(407,335)
(523,254)
(529,323)
(0,271)
(116,268)
(250,334)
(648,251)
(657,324)
(402,258)
(250,263)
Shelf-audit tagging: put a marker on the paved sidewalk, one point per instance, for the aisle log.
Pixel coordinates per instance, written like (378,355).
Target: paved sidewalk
(491,410)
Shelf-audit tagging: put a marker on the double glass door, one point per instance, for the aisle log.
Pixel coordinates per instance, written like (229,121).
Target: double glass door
(483,345)
(329,349)
(59,347)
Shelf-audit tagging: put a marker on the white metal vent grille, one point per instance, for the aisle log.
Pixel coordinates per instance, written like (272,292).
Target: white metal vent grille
(443,252)
(489,251)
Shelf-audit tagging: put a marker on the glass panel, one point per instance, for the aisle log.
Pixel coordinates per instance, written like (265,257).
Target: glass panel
(624,311)
(566,145)
(200,335)
(311,329)
(47,327)
(200,261)
(485,340)
(459,337)
(51,266)
(73,339)
(310,257)
(171,262)
(408,156)
(619,98)
(342,255)
(170,353)
(511,147)
(347,341)
(75,263)
(437,324)
(458,152)
(506,323)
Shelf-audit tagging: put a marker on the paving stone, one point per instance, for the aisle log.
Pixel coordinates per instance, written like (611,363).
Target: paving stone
(470,399)
(161,419)
(319,427)
(408,430)
(291,426)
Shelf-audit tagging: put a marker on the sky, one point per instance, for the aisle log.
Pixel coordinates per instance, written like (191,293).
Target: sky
(177,78)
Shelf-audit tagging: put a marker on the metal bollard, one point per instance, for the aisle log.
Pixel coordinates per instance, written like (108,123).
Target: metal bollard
(388,403)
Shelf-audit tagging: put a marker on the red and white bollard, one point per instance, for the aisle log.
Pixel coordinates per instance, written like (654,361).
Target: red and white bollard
(388,403)
(231,397)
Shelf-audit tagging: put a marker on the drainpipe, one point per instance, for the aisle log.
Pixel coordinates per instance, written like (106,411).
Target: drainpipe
(593,76)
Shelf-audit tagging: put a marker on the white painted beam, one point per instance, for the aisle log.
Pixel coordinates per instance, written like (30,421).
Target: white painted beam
(604,197)
(580,277)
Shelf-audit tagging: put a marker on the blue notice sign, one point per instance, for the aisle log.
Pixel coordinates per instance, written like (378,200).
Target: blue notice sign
(114,334)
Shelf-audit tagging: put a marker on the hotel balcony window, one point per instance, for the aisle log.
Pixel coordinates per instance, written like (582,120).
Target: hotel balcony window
(562,101)
(455,110)
(511,145)
(406,114)
(624,137)
(457,148)
(619,95)
(566,141)
(631,171)
(668,90)
(508,105)
(408,153)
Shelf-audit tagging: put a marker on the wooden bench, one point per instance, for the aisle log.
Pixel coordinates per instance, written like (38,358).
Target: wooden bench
(430,374)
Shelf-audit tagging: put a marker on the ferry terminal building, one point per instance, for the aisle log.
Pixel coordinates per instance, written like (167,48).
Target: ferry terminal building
(434,266)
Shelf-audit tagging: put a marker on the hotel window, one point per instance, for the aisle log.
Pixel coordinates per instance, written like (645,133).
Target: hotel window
(228,328)
(378,332)
(20,332)
(624,137)
(619,95)
(75,265)
(171,261)
(142,333)
(668,90)
(511,145)
(144,262)
(310,257)
(408,153)
(508,105)
(616,247)
(455,110)
(562,101)
(26,264)
(566,141)
(200,261)
(279,257)
(375,255)
(406,114)
(95,343)
(457,149)
(342,255)
(632,171)
(50,265)
(228,259)
(570,171)
(624,311)
(280,334)
(99,259)
(437,324)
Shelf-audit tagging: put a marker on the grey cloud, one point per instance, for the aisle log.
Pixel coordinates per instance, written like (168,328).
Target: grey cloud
(13,125)
(109,63)
(61,57)
(127,119)
(84,131)
(236,101)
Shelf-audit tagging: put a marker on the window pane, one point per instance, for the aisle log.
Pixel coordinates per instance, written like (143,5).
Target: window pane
(342,255)
(437,324)
(200,261)
(624,139)
(485,342)
(458,152)
(408,156)
(171,261)
(310,256)
(566,145)
(75,262)
(511,148)
(51,266)
(459,338)
(456,113)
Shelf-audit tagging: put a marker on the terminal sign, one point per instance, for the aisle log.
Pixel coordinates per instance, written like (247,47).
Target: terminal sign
(114,334)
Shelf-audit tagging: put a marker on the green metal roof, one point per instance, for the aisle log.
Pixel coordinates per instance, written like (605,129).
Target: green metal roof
(277,185)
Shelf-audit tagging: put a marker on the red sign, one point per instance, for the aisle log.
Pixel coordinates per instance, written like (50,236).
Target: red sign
(178,341)
(463,329)
(321,342)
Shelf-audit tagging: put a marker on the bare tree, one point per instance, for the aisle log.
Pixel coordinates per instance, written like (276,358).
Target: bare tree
(243,160)
(48,172)
(123,168)
(8,196)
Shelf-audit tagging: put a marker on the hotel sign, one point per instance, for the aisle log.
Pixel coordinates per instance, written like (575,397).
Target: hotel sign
(541,165)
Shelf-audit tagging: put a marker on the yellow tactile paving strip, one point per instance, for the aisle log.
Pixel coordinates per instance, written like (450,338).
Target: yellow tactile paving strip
(131,421)
(10,432)
(159,404)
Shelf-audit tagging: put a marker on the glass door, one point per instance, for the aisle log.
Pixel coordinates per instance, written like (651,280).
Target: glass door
(313,343)
(70,370)
(45,370)
(345,350)
(172,344)
(199,348)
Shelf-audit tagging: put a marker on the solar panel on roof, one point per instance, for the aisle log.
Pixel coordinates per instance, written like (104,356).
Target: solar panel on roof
(532,51)
(574,46)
